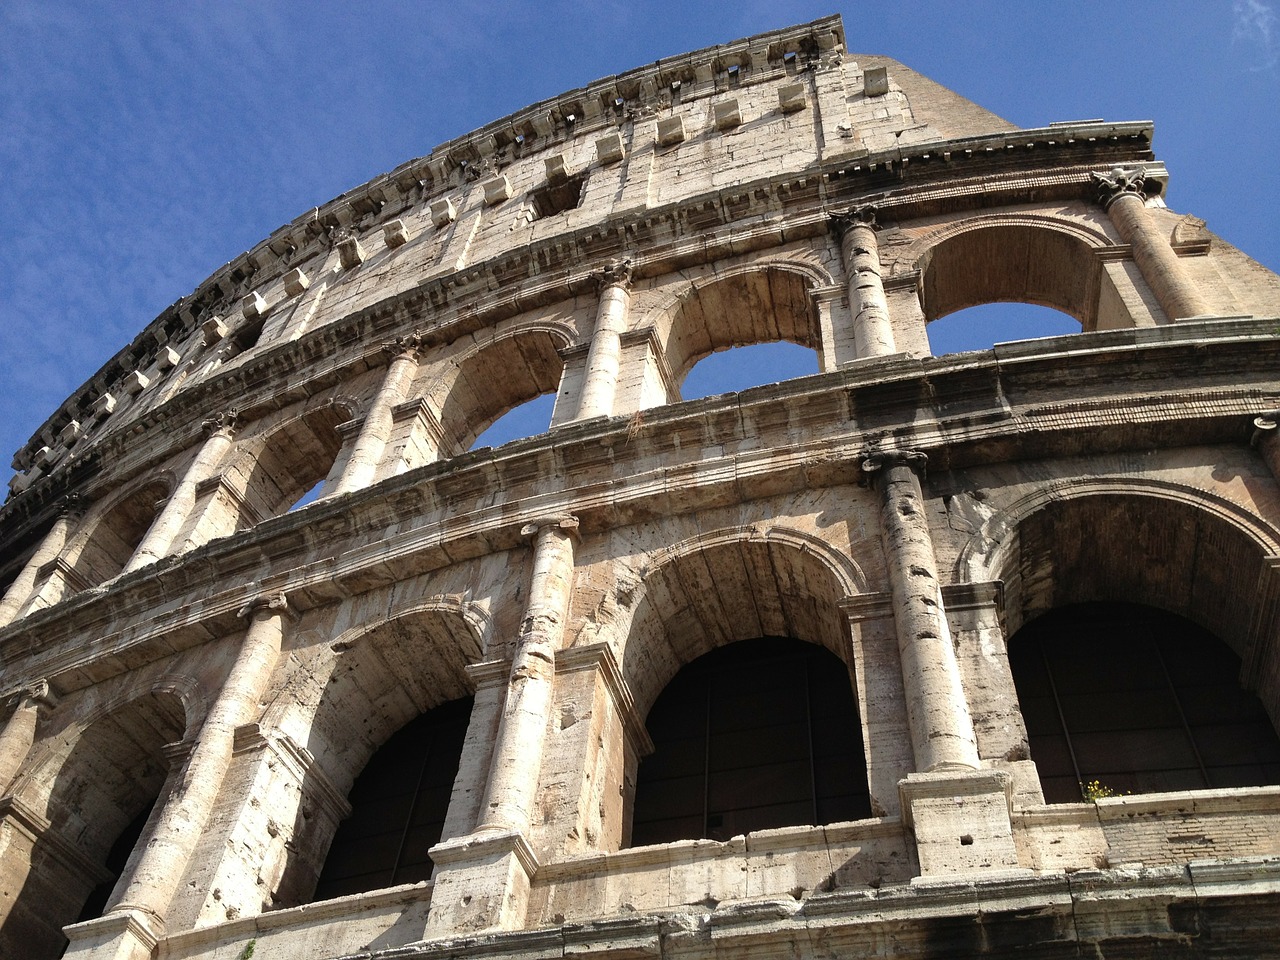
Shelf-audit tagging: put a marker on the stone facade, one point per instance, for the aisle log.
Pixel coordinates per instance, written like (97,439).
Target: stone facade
(171,632)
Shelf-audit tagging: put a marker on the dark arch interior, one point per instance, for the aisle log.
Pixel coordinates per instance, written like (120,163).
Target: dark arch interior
(398,806)
(1140,701)
(757,734)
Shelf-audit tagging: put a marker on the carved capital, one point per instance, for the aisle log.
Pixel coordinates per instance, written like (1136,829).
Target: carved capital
(1120,182)
(73,506)
(34,695)
(617,274)
(569,524)
(272,602)
(1264,426)
(224,422)
(407,346)
(875,461)
(860,216)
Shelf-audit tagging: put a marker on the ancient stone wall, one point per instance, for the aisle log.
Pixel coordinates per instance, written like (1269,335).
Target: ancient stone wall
(185,650)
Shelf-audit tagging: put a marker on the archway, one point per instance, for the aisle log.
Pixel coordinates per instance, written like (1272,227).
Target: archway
(1011,261)
(726,606)
(286,464)
(107,776)
(982,326)
(1125,698)
(112,540)
(739,368)
(757,306)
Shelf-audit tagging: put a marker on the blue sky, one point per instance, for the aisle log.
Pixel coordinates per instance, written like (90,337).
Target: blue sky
(142,145)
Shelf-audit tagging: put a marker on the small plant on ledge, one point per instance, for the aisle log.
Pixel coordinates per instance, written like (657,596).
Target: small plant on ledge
(1094,790)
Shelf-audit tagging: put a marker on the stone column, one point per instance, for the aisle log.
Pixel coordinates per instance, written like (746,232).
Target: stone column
(482,880)
(20,730)
(159,869)
(50,547)
(941,730)
(362,466)
(1123,195)
(1266,440)
(872,329)
(604,355)
(219,430)
(517,755)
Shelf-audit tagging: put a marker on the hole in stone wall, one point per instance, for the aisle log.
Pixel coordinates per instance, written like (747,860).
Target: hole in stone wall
(558,197)
(983,326)
(741,367)
(966,840)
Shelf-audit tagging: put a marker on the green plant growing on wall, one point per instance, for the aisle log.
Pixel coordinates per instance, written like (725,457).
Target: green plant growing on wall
(1094,790)
(247,952)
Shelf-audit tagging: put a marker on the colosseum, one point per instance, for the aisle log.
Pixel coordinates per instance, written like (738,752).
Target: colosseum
(916,656)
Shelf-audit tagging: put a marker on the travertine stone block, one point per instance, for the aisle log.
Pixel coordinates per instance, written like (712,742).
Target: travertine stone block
(167,358)
(214,329)
(135,382)
(961,821)
(396,233)
(296,282)
(792,97)
(70,433)
(350,253)
(875,81)
(609,148)
(496,190)
(671,131)
(443,212)
(557,171)
(253,306)
(726,114)
(104,405)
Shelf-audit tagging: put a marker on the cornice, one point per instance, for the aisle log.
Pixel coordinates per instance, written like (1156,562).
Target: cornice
(1051,163)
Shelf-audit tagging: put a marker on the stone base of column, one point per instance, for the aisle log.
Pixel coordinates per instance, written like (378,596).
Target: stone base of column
(962,821)
(481,883)
(120,935)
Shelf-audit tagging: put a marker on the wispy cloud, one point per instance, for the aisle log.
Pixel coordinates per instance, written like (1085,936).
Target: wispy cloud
(1255,23)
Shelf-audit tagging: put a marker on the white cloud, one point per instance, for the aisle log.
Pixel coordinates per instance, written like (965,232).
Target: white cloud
(1255,23)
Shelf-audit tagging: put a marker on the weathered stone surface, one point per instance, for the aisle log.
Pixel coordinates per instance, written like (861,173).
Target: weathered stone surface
(564,580)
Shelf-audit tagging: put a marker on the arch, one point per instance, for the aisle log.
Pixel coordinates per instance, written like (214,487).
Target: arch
(493,376)
(101,551)
(354,694)
(775,582)
(1019,258)
(274,469)
(99,775)
(759,302)
(1168,546)
(1230,535)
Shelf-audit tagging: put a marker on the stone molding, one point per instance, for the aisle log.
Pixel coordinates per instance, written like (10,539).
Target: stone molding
(600,656)
(301,763)
(39,830)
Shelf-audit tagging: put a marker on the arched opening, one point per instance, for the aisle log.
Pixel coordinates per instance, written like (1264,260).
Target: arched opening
(695,644)
(501,376)
(107,779)
(738,368)
(529,419)
(1011,263)
(1125,698)
(116,535)
(398,806)
(759,734)
(764,306)
(983,326)
(291,462)
(391,691)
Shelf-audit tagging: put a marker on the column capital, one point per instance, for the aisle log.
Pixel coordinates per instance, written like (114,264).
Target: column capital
(408,346)
(863,215)
(73,506)
(224,422)
(1264,425)
(567,523)
(38,693)
(872,461)
(1119,182)
(617,273)
(271,602)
